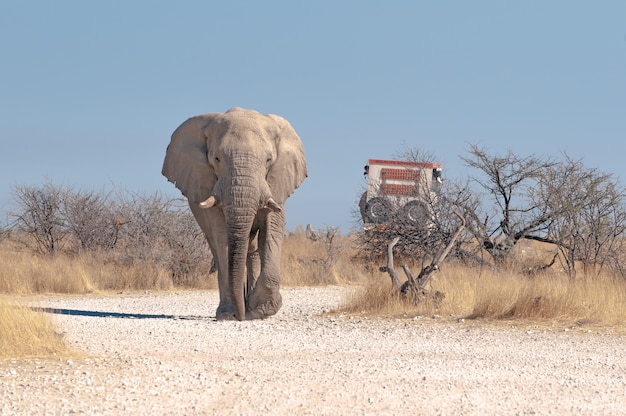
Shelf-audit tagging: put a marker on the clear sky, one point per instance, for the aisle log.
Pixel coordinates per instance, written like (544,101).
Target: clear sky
(90,92)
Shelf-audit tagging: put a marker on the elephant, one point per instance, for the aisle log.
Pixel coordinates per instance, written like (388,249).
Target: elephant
(236,170)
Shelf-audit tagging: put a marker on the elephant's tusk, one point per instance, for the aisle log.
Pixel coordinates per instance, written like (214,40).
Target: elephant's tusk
(208,203)
(271,204)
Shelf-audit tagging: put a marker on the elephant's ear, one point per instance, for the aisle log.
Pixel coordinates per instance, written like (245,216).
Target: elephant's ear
(186,164)
(289,170)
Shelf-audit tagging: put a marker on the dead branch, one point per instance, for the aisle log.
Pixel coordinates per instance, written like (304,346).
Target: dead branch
(395,280)
(424,276)
(531,271)
(417,285)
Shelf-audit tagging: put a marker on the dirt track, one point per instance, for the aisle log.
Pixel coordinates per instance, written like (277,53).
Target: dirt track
(164,354)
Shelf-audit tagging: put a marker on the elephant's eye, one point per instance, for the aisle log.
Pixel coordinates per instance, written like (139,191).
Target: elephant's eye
(217,159)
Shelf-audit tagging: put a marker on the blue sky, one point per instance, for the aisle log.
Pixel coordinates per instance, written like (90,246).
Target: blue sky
(90,92)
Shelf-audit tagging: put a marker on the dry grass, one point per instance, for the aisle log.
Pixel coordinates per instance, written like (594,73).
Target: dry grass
(469,293)
(25,333)
(309,263)
(26,273)
(480,294)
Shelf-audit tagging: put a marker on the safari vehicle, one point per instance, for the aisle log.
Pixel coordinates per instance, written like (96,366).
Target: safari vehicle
(400,193)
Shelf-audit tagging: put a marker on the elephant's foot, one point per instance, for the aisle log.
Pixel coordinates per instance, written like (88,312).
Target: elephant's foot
(255,309)
(265,309)
(225,313)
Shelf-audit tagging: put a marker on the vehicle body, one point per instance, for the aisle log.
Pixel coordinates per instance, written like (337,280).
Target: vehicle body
(400,193)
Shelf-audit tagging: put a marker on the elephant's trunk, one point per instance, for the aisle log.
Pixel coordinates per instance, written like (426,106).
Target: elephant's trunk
(239,218)
(237,256)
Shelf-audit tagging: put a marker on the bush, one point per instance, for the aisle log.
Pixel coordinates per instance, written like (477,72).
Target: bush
(146,231)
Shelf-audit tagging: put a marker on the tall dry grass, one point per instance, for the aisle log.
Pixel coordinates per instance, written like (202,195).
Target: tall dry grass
(312,263)
(484,294)
(22,272)
(25,333)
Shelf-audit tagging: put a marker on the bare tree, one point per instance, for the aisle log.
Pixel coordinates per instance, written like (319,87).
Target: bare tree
(5,229)
(437,229)
(509,181)
(89,217)
(589,221)
(329,240)
(163,231)
(415,154)
(38,216)
(5,234)
(128,227)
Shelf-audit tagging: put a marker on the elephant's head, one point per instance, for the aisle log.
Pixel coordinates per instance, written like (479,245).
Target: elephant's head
(239,161)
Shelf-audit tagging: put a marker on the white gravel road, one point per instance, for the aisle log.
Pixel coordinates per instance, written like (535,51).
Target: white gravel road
(163,354)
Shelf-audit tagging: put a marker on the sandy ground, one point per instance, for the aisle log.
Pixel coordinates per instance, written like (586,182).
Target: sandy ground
(163,354)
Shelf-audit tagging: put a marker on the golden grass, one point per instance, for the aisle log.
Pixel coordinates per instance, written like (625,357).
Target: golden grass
(25,333)
(25,273)
(308,263)
(481,294)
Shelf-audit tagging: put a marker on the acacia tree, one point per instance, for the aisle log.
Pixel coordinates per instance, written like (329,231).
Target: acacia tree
(509,181)
(163,231)
(38,216)
(127,227)
(90,219)
(590,224)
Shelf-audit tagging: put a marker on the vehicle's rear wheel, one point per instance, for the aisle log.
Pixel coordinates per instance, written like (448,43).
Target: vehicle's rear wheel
(377,210)
(416,213)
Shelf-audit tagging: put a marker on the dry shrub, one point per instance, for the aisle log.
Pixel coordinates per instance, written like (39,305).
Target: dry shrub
(110,271)
(550,297)
(378,298)
(25,333)
(472,292)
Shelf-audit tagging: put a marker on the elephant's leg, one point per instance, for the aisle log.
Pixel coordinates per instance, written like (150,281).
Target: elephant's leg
(213,225)
(225,309)
(265,299)
(253,265)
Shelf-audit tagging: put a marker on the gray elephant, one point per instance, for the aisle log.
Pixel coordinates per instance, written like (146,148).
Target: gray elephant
(237,169)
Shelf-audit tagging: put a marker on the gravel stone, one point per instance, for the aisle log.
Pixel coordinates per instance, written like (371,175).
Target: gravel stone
(164,354)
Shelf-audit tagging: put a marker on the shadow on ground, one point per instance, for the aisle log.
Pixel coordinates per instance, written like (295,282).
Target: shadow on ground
(123,315)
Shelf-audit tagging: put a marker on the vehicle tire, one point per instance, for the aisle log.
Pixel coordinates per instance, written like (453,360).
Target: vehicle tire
(416,213)
(377,210)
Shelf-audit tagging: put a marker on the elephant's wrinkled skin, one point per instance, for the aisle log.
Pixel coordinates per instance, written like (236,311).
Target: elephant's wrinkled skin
(237,169)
